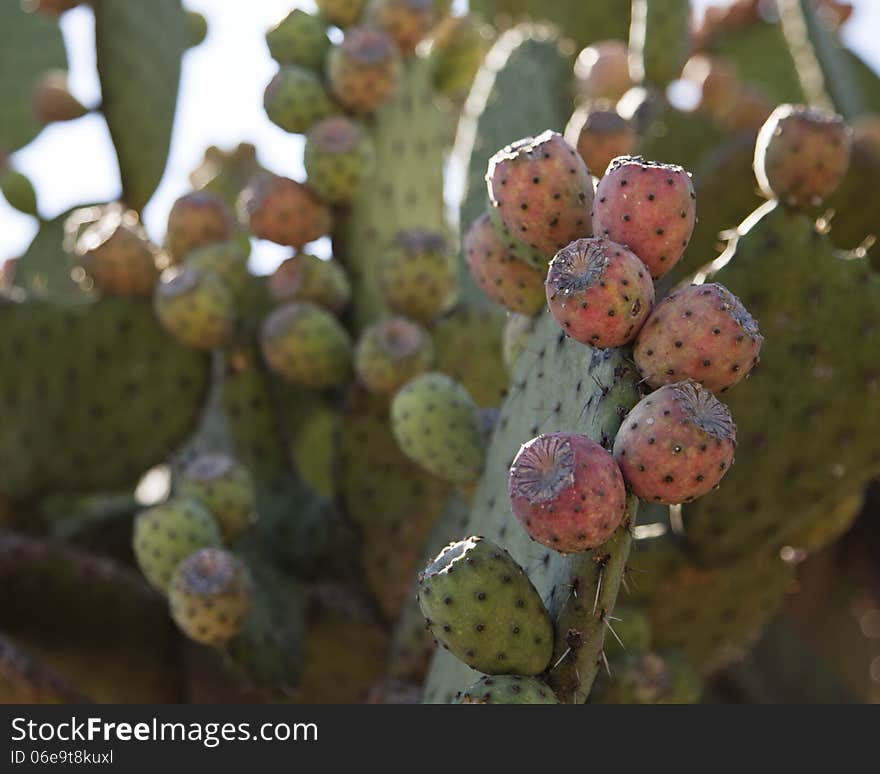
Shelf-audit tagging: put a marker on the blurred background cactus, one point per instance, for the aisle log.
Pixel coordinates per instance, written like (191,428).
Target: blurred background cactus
(243,410)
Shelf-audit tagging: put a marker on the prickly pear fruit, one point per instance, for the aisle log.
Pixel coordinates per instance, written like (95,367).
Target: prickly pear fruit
(505,279)
(283,211)
(166,534)
(18,190)
(479,603)
(599,292)
(541,190)
(210,595)
(116,255)
(458,46)
(602,71)
(226,260)
(517,332)
(406,21)
(392,352)
(418,275)
(802,155)
(676,444)
(53,100)
(306,345)
(507,689)
(337,157)
(196,308)
(306,277)
(600,136)
(196,219)
(196,28)
(364,69)
(650,678)
(566,491)
(649,207)
(701,332)
(295,99)
(300,38)
(225,488)
(342,13)
(435,422)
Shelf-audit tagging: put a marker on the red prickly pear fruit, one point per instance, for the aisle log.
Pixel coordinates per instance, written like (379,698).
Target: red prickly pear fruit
(802,155)
(306,277)
(364,69)
(599,292)
(406,21)
(702,332)
(505,279)
(295,99)
(390,353)
(649,207)
(676,444)
(566,491)
(197,219)
(341,13)
(283,211)
(53,100)
(337,157)
(600,136)
(541,191)
(602,71)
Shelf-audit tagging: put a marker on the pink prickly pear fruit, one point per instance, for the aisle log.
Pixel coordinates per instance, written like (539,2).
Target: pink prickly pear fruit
(600,136)
(802,155)
(406,21)
(197,219)
(602,71)
(649,207)
(283,211)
(542,191)
(566,491)
(599,292)
(515,285)
(363,71)
(676,444)
(702,332)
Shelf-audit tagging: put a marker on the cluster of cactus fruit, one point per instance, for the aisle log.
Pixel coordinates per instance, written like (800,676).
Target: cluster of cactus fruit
(329,427)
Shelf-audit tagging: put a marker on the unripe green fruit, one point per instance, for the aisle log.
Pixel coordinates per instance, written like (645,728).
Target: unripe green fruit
(194,307)
(225,488)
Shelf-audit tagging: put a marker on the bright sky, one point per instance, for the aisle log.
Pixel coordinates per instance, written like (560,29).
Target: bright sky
(220,104)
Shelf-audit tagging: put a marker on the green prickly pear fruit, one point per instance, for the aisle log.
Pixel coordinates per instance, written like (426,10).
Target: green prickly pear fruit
(505,279)
(337,158)
(53,101)
(225,488)
(296,98)
(602,71)
(676,444)
(306,277)
(701,332)
(458,47)
(306,345)
(196,28)
(600,136)
(166,534)
(650,678)
(436,424)
(342,13)
(802,155)
(196,308)
(406,21)
(517,332)
(116,255)
(226,260)
(541,191)
(507,689)
(479,603)
(196,219)
(418,275)
(18,191)
(283,211)
(300,38)
(210,596)
(364,69)
(390,353)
